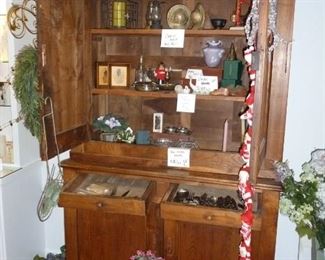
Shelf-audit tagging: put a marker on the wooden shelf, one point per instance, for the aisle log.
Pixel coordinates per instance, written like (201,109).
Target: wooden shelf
(157,32)
(162,94)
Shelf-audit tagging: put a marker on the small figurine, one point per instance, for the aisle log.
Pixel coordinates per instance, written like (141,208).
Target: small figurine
(160,73)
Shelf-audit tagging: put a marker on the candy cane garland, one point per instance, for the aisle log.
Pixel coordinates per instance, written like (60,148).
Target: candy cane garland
(245,187)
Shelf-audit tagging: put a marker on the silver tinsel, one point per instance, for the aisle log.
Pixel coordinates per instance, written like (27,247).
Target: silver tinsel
(252,24)
(277,39)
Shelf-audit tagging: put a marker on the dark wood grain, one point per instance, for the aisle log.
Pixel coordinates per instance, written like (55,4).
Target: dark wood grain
(280,81)
(71,41)
(109,236)
(261,107)
(157,32)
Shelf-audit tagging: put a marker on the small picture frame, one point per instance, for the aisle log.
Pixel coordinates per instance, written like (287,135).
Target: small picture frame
(119,75)
(157,124)
(102,74)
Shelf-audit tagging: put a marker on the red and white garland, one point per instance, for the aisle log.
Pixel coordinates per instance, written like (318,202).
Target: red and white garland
(245,186)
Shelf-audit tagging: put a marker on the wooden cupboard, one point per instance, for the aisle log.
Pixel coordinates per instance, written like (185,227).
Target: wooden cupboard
(71,40)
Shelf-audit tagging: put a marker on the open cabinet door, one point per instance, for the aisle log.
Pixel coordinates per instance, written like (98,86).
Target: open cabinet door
(261,102)
(65,70)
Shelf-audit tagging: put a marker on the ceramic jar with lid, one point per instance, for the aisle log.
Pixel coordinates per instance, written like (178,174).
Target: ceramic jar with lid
(213,53)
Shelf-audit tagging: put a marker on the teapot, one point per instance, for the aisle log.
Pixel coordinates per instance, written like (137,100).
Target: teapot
(213,53)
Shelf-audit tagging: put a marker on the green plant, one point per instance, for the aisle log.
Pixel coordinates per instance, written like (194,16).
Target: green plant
(142,255)
(25,86)
(303,200)
(52,256)
(110,123)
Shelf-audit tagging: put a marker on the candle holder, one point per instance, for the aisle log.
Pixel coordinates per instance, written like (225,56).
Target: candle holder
(238,18)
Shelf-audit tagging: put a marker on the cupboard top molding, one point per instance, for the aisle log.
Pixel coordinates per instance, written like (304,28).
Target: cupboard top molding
(157,32)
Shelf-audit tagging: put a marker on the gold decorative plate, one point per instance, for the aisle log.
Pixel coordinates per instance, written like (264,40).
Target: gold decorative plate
(178,17)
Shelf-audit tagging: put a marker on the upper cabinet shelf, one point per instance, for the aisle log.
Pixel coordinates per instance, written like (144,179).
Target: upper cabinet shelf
(157,32)
(235,96)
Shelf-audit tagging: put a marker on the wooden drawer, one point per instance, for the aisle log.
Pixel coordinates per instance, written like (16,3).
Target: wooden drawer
(212,215)
(107,193)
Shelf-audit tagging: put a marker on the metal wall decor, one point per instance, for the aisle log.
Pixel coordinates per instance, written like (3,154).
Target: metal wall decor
(131,13)
(22,18)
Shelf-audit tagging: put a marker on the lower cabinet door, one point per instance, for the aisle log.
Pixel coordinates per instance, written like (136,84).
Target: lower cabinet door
(105,216)
(202,223)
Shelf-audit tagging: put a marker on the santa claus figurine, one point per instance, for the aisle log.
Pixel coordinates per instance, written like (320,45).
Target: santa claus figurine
(160,73)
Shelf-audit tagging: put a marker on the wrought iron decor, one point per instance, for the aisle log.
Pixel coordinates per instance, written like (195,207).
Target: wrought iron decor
(22,18)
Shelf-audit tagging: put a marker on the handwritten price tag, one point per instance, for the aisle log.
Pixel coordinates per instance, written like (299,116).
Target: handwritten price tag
(172,38)
(178,157)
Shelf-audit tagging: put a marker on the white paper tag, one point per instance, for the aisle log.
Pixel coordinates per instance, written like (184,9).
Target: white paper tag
(209,82)
(186,103)
(204,84)
(193,73)
(172,38)
(178,157)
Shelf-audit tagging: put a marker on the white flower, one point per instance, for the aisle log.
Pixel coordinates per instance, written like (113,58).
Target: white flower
(286,205)
(283,170)
(308,176)
(112,122)
(318,161)
(321,196)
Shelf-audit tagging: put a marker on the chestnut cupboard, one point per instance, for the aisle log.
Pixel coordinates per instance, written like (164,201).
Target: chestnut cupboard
(139,207)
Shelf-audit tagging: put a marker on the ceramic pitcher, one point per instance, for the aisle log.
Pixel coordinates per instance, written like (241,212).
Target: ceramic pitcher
(213,53)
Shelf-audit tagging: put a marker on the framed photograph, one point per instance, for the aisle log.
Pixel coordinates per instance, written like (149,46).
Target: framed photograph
(102,74)
(157,122)
(119,75)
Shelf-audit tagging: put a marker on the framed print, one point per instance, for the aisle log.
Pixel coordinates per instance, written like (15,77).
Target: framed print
(102,74)
(119,75)
(157,122)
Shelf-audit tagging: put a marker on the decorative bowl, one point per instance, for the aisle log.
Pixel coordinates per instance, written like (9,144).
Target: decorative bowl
(167,86)
(183,130)
(170,129)
(145,86)
(218,23)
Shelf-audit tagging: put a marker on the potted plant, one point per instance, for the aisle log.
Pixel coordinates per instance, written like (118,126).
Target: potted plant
(303,199)
(113,128)
(149,255)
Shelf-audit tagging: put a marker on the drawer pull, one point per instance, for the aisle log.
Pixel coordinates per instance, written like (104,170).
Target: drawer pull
(100,205)
(209,217)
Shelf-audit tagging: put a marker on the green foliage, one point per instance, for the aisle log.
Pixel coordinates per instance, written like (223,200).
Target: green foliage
(303,200)
(26,89)
(51,256)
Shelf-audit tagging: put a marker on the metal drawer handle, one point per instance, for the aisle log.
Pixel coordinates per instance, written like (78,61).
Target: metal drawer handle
(100,205)
(209,217)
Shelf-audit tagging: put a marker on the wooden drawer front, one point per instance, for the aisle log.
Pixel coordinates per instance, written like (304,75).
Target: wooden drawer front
(118,202)
(202,214)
